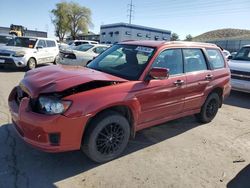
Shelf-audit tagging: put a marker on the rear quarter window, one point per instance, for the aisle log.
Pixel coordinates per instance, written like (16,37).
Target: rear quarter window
(215,58)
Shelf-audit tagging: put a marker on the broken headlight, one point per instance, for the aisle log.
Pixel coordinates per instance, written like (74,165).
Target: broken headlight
(52,105)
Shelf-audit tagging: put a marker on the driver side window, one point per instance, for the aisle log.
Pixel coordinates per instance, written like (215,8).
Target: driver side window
(41,43)
(170,59)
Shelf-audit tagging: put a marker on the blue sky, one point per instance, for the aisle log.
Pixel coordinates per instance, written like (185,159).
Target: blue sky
(180,16)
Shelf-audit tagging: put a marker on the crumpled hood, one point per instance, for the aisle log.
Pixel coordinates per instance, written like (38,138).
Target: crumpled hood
(13,49)
(239,65)
(57,78)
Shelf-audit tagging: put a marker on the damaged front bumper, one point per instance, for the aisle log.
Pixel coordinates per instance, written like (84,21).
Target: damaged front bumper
(50,133)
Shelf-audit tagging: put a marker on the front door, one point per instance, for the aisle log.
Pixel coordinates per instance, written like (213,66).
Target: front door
(41,53)
(161,99)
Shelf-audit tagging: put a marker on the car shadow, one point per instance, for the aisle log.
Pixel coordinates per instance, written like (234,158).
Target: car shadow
(15,69)
(241,180)
(238,99)
(27,167)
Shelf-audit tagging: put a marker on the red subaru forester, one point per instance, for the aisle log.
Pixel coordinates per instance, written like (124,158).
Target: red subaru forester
(131,86)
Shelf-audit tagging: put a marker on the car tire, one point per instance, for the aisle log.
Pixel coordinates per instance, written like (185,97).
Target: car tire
(56,61)
(209,109)
(31,64)
(106,137)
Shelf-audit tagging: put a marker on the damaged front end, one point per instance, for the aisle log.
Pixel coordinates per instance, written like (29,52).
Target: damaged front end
(53,103)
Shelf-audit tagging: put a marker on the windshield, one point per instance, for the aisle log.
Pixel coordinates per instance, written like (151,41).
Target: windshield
(125,61)
(83,48)
(4,39)
(22,42)
(243,54)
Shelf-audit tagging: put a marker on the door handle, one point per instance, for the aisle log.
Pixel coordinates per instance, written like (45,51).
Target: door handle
(209,77)
(179,82)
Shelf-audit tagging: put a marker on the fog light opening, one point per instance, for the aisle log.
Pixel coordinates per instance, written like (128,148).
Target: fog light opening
(54,139)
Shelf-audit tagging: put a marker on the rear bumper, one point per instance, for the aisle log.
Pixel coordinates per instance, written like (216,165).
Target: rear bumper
(36,129)
(240,85)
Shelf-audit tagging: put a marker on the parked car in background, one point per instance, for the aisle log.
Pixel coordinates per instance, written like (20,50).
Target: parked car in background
(240,70)
(99,107)
(4,39)
(232,55)
(74,43)
(226,53)
(81,55)
(29,52)
(62,46)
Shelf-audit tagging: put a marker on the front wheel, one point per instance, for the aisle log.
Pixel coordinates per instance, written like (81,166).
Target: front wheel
(57,60)
(209,108)
(31,64)
(106,137)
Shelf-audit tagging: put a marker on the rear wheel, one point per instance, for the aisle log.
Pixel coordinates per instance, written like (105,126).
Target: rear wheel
(31,64)
(107,137)
(209,108)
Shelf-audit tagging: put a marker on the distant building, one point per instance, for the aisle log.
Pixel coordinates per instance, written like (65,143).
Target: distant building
(31,33)
(113,33)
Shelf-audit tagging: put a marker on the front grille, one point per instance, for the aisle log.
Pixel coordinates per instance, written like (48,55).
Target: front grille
(244,73)
(240,77)
(4,54)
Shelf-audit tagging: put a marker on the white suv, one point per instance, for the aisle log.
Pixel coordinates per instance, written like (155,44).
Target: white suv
(240,70)
(29,52)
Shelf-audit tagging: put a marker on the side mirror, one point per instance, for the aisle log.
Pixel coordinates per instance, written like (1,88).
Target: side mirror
(230,57)
(39,47)
(159,73)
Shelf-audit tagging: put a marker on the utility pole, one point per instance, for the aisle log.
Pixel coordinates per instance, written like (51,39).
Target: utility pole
(130,10)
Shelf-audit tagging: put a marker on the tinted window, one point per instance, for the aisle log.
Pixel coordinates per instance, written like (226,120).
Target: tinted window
(194,60)
(5,39)
(50,43)
(41,43)
(80,43)
(243,54)
(215,58)
(170,59)
(22,42)
(83,47)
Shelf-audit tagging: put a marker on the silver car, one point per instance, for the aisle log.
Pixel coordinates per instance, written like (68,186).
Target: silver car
(82,54)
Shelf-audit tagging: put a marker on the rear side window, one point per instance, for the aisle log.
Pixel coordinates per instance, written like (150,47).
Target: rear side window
(194,60)
(215,58)
(50,43)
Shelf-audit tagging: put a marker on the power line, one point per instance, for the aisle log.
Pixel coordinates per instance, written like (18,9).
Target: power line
(130,10)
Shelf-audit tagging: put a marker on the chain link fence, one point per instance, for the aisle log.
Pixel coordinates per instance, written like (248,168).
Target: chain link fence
(231,45)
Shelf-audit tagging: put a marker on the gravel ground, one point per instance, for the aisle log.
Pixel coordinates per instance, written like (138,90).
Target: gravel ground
(180,153)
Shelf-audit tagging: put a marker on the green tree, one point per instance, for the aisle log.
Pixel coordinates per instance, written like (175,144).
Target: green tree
(72,18)
(79,19)
(189,38)
(174,37)
(60,20)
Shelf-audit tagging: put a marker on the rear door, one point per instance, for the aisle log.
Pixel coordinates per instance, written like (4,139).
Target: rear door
(198,75)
